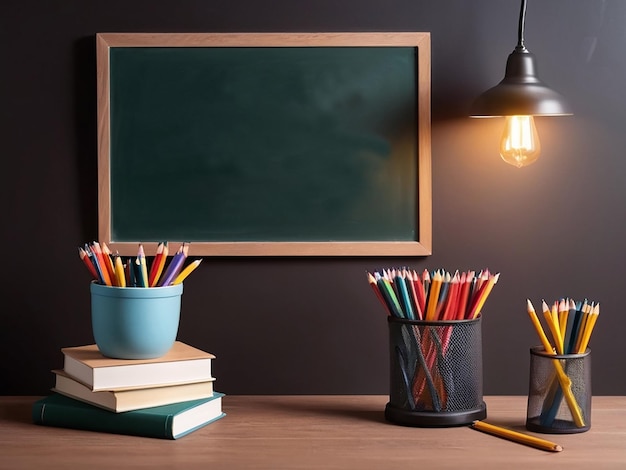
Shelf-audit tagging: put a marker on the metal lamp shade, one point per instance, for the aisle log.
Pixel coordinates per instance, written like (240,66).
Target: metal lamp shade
(520,93)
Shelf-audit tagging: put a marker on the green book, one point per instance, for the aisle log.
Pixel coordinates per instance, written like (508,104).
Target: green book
(164,422)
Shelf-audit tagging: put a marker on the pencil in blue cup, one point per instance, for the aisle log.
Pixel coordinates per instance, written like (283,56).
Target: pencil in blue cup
(136,271)
(175,266)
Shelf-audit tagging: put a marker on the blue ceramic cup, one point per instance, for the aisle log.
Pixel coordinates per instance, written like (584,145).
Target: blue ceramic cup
(135,322)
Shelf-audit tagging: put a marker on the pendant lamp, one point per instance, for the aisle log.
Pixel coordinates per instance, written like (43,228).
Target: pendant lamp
(518,97)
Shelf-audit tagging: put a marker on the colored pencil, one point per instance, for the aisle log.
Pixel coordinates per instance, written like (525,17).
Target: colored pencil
(569,325)
(119,271)
(175,266)
(591,323)
(101,262)
(108,261)
(551,319)
(85,259)
(372,282)
(158,264)
(390,297)
(403,296)
(466,280)
(96,264)
(442,300)
(432,297)
(450,307)
(187,271)
(482,294)
(141,258)
(538,328)
(516,436)
(410,283)
(140,279)
(420,294)
(109,269)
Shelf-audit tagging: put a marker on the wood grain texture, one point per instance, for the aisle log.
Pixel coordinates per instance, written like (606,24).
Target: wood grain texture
(314,432)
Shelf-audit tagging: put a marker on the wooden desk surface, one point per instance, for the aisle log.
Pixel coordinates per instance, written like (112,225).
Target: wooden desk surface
(314,432)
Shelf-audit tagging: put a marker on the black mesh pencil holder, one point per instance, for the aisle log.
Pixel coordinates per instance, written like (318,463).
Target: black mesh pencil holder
(559,392)
(436,377)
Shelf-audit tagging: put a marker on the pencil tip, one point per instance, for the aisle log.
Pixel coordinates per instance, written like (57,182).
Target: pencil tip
(558,448)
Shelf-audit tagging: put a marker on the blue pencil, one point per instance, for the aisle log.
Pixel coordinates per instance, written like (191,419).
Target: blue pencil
(568,341)
(404,297)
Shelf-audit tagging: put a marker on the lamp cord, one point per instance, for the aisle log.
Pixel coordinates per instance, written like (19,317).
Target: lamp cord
(520,30)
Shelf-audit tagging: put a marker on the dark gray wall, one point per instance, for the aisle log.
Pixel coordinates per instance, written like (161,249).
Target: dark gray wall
(553,229)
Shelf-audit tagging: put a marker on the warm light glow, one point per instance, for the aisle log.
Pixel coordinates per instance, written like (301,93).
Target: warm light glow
(519,145)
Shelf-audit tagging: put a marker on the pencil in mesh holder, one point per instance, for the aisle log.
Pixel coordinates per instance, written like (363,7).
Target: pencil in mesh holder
(436,377)
(559,392)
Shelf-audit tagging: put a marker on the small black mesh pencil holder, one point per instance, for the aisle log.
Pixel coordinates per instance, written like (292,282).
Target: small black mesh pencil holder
(436,377)
(559,392)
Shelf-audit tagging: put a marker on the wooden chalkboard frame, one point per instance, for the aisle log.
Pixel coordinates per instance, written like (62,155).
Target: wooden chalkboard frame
(421,246)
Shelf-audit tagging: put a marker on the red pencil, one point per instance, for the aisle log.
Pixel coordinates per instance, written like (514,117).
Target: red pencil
(155,263)
(466,282)
(372,280)
(158,264)
(103,266)
(481,296)
(85,257)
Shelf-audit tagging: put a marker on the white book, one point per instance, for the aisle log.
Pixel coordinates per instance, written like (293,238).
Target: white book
(131,399)
(182,364)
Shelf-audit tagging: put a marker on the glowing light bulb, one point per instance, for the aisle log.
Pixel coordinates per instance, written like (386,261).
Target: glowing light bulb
(520,145)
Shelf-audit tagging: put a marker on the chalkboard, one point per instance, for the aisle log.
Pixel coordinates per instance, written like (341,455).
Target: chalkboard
(265,144)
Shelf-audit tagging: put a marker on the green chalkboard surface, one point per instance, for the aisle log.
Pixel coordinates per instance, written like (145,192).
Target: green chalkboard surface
(284,146)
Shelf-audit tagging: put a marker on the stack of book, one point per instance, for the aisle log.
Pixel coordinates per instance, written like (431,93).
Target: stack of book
(166,398)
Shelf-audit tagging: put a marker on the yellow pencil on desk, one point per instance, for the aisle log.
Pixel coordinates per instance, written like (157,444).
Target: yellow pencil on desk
(515,436)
